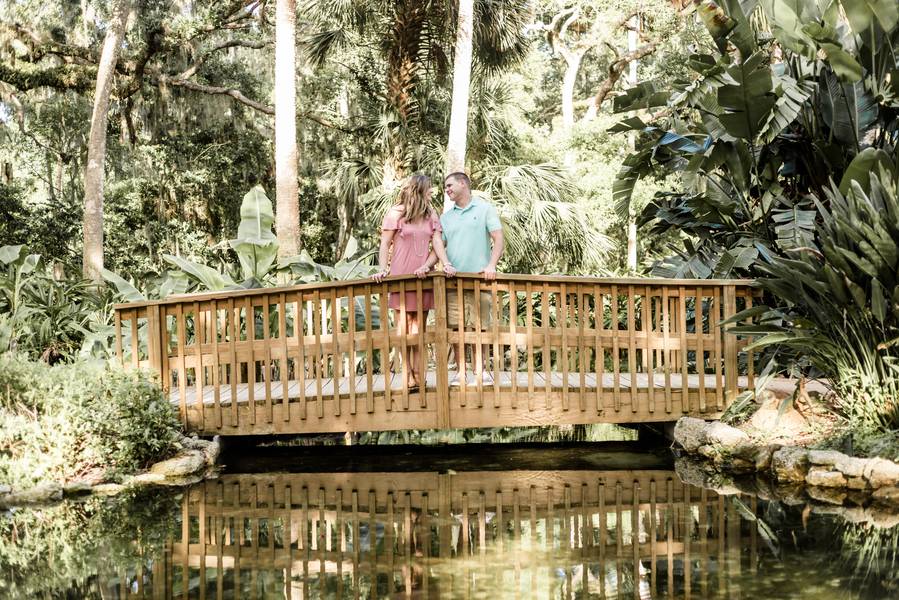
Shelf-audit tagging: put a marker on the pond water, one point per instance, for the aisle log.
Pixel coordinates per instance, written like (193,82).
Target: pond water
(568,521)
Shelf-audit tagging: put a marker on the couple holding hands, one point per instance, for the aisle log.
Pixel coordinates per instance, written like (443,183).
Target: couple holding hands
(466,238)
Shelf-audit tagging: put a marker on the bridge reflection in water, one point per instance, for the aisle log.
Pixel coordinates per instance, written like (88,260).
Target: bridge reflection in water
(562,534)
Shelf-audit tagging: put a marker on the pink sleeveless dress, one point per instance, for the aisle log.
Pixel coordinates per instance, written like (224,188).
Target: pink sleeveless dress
(411,246)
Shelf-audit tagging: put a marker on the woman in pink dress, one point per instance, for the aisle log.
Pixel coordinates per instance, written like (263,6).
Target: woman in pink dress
(411,228)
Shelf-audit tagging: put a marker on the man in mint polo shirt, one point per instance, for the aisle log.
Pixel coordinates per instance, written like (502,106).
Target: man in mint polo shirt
(474,244)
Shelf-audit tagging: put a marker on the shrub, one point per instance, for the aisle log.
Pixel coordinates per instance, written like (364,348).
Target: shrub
(60,422)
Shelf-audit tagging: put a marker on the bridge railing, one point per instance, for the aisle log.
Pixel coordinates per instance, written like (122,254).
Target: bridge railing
(326,357)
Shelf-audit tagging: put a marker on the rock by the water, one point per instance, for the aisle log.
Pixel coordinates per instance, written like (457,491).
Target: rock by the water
(881,472)
(726,437)
(186,463)
(790,464)
(5,489)
(108,489)
(824,477)
(689,432)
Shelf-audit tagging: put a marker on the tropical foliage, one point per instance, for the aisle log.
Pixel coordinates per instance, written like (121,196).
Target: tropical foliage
(796,97)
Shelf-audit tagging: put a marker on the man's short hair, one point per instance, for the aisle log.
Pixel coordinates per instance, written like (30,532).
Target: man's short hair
(459,176)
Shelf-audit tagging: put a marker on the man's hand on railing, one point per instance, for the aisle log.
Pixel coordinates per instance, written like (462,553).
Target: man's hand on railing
(489,273)
(449,270)
(380,275)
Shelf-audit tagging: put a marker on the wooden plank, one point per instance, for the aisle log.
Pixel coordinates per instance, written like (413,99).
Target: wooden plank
(547,367)
(385,347)
(497,355)
(441,351)
(599,353)
(317,354)
(562,322)
(337,354)
(632,342)
(216,366)
(422,349)
(182,369)
(369,352)
(479,341)
(234,375)
(300,369)
(513,347)
(700,350)
(648,336)
(351,325)
(285,356)
(117,336)
(730,346)
(715,328)
(582,315)
(666,345)
(404,349)
(267,366)
(682,331)
(529,332)
(616,351)
(250,319)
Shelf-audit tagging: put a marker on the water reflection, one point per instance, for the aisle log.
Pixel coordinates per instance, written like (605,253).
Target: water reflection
(569,534)
(481,531)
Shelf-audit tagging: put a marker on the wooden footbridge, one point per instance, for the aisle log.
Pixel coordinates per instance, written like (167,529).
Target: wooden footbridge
(553,350)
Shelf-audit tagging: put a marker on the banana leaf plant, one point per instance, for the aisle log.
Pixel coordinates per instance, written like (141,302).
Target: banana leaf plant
(798,95)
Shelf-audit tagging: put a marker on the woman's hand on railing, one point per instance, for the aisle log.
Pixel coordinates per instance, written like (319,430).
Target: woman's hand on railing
(422,271)
(380,275)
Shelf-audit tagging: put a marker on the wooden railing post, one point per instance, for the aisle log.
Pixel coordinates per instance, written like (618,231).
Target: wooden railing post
(155,342)
(441,352)
(731,369)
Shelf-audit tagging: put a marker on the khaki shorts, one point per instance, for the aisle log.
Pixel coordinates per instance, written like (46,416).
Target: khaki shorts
(452,309)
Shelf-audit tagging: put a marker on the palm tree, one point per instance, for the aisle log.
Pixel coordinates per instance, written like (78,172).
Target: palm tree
(413,39)
(458,129)
(287,224)
(92,263)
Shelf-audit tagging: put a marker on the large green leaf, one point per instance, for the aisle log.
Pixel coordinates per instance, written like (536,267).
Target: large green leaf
(861,13)
(126,291)
(747,104)
(868,161)
(792,97)
(256,245)
(847,108)
(207,277)
(10,254)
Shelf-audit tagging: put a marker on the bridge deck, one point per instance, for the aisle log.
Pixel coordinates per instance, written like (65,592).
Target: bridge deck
(675,380)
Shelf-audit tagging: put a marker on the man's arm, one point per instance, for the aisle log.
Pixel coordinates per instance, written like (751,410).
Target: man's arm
(495,254)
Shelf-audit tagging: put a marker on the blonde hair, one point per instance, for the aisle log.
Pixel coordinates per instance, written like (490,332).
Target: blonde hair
(415,198)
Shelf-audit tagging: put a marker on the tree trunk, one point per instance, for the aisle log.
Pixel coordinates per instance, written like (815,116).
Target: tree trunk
(458,131)
(632,34)
(287,220)
(572,66)
(92,262)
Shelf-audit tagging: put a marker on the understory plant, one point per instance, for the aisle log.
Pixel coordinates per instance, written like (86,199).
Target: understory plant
(67,421)
(838,301)
(49,318)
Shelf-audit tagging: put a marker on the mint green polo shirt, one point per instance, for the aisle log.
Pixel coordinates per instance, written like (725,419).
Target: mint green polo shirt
(466,232)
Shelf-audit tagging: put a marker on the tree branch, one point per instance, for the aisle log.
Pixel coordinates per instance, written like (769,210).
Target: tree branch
(617,68)
(220,91)
(191,70)
(80,78)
